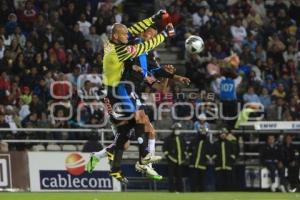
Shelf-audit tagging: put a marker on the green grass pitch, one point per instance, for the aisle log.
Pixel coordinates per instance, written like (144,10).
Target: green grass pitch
(150,196)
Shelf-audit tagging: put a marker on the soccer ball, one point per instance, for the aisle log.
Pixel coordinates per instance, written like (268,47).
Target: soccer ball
(194,44)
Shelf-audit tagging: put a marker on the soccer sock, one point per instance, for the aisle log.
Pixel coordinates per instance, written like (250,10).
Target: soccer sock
(101,154)
(151,146)
(142,140)
(116,163)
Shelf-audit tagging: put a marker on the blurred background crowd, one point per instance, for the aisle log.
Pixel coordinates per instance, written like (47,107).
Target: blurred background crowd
(44,42)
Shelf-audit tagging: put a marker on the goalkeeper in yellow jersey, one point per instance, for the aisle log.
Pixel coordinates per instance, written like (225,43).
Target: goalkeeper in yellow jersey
(123,104)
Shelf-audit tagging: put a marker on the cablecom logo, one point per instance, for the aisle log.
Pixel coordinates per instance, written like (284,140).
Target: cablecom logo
(68,173)
(75,164)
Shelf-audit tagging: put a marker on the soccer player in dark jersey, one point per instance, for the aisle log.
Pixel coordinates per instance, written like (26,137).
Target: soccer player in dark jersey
(145,73)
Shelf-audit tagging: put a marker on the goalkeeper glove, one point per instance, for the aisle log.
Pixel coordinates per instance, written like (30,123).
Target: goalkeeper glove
(157,16)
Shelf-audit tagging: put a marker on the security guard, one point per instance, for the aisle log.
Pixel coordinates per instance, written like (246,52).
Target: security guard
(226,152)
(198,156)
(288,158)
(174,150)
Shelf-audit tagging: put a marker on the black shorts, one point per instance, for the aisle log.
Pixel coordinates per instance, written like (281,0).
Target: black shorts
(123,102)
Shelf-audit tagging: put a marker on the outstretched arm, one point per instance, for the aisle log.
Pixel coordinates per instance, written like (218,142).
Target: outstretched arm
(126,52)
(143,25)
(140,27)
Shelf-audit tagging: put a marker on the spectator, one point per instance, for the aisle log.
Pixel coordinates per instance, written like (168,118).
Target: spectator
(59,52)
(239,34)
(201,123)
(59,120)
(251,43)
(26,96)
(36,105)
(283,20)
(290,54)
(200,18)
(2,49)
(265,99)
(288,159)
(29,50)
(174,149)
(199,150)
(5,37)
(259,7)
(270,158)
(294,11)
(58,26)
(95,39)
(254,17)
(260,53)
(276,47)
(242,6)
(14,94)
(294,108)
(84,25)
(48,35)
(12,23)
(30,121)
(28,15)
(225,155)
(3,124)
(247,54)
(251,96)
(74,37)
(279,91)
(70,16)
(83,65)
(277,111)
(269,84)
(4,86)
(15,48)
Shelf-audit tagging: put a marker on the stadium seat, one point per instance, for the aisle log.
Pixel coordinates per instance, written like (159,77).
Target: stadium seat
(131,155)
(69,147)
(3,146)
(38,147)
(53,147)
(79,147)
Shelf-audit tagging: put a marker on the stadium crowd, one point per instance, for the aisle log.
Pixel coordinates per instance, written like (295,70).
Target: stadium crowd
(61,41)
(42,42)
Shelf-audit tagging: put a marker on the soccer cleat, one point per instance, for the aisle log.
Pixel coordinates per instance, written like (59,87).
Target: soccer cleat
(149,158)
(156,178)
(292,190)
(282,188)
(91,164)
(119,176)
(149,171)
(273,187)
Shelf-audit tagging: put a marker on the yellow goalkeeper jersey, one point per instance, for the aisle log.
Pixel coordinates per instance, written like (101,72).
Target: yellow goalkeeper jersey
(116,54)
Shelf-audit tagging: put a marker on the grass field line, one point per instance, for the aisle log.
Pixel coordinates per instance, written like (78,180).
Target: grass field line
(148,196)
